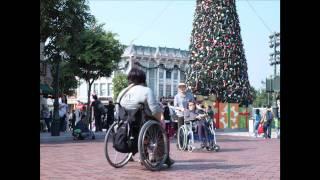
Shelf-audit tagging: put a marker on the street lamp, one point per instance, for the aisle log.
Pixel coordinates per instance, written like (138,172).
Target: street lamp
(274,56)
(55,127)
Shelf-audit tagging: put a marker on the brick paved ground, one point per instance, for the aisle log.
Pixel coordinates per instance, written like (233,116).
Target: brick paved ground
(239,158)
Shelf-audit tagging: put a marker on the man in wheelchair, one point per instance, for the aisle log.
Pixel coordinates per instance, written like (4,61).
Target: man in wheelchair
(191,114)
(137,94)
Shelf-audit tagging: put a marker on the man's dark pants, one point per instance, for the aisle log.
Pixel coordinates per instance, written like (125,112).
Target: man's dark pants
(98,122)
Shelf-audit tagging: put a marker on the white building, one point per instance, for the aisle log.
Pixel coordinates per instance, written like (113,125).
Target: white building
(164,69)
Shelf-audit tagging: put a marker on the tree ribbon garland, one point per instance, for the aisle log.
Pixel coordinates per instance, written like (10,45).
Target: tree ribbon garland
(161,66)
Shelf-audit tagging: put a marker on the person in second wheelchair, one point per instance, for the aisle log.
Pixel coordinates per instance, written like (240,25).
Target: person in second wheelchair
(192,113)
(138,93)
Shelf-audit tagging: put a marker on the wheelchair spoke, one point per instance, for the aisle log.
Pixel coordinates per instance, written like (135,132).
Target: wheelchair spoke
(115,157)
(152,151)
(160,152)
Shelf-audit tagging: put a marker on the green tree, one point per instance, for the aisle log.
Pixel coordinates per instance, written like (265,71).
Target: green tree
(119,82)
(67,80)
(96,55)
(217,61)
(60,18)
(261,98)
(61,22)
(253,95)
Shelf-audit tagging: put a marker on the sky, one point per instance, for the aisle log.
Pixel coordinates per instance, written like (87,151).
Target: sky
(169,24)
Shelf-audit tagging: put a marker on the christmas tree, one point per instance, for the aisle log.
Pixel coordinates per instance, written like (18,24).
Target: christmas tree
(217,63)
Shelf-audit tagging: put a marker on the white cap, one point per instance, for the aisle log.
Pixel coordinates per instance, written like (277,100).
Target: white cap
(181,84)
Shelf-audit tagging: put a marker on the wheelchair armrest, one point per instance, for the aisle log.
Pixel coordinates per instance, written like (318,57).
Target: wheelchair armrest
(147,117)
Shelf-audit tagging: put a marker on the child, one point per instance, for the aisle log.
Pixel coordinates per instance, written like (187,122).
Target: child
(191,114)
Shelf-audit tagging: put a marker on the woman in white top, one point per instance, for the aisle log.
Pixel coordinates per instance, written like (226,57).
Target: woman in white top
(140,93)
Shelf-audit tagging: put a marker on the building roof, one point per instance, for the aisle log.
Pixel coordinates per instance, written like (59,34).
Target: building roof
(137,50)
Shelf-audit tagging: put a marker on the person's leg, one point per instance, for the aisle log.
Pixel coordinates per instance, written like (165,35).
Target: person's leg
(47,120)
(73,123)
(109,122)
(200,131)
(256,126)
(61,124)
(206,135)
(169,161)
(269,130)
(100,123)
(205,139)
(65,123)
(265,128)
(175,126)
(254,129)
(180,121)
(96,122)
(41,126)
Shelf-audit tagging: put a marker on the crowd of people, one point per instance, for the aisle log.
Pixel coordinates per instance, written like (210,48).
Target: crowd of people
(69,119)
(264,121)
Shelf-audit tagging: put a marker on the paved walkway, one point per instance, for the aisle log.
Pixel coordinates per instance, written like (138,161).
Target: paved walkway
(239,158)
(67,136)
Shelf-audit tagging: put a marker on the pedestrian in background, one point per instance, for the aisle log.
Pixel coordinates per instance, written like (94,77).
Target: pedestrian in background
(267,123)
(210,113)
(46,117)
(97,112)
(181,102)
(110,113)
(63,114)
(257,119)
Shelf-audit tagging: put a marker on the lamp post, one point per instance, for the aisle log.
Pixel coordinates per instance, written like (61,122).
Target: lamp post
(274,58)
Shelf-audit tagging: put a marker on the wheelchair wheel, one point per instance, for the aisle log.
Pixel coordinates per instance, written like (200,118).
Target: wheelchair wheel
(182,138)
(152,145)
(115,158)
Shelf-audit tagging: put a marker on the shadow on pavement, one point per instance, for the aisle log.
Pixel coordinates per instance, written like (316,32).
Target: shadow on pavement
(233,140)
(200,160)
(43,144)
(204,166)
(179,166)
(236,149)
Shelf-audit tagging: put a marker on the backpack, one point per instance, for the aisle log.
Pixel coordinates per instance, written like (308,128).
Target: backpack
(120,138)
(125,139)
(100,107)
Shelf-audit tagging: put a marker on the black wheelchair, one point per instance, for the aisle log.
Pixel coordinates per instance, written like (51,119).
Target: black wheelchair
(145,133)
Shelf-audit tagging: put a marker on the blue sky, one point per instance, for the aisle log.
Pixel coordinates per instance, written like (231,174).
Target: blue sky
(169,24)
